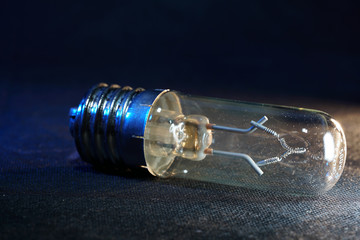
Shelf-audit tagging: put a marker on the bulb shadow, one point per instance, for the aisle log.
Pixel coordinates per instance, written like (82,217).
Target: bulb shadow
(223,190)
(126,173)
(240,193)
(82,166)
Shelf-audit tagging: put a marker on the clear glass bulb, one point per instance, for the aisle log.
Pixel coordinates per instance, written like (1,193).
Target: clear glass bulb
(267,147)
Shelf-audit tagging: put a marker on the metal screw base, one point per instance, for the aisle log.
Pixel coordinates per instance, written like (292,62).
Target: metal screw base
(108,125)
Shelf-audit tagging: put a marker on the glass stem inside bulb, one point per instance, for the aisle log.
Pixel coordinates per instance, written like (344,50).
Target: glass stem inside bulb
(192,138)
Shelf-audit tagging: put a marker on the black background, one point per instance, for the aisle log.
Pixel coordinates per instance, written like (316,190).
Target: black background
(203,47)
(303,54)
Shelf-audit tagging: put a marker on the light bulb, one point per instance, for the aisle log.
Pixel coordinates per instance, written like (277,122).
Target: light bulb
(258,146)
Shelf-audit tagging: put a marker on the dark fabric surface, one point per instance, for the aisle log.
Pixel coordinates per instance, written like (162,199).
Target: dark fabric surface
(47,192)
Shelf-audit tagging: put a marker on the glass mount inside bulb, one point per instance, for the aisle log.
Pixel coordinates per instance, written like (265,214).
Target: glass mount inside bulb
(174,134)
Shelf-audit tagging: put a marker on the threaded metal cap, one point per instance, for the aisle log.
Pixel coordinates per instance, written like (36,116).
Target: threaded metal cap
(109,123)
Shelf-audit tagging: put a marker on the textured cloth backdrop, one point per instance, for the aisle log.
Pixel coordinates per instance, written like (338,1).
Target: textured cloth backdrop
(47,192)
